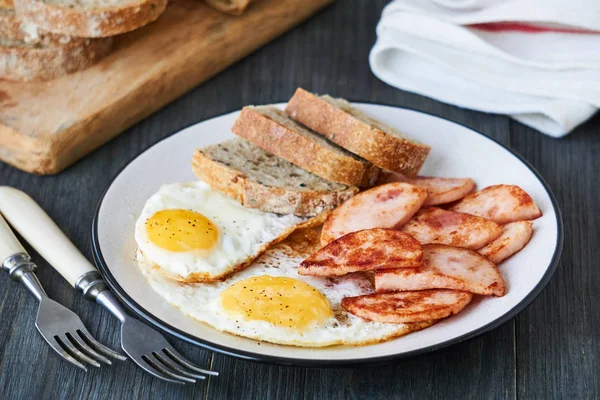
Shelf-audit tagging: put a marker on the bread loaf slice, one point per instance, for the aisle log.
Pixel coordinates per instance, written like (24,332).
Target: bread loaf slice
(271,129)
(12,28)
(348,127)
(259,179)
(89,18)
(27,52)
(22,61)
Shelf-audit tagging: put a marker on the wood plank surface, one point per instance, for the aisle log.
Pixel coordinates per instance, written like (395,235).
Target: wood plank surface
(550,351)
(558,337)
(46,126)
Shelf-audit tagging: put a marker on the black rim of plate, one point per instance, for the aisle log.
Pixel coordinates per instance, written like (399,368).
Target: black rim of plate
(258,357)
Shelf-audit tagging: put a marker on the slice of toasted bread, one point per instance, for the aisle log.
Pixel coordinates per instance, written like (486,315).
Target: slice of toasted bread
(348,127)
(89,18)
(259,179)
(22,61)
(271,129)
(234,7)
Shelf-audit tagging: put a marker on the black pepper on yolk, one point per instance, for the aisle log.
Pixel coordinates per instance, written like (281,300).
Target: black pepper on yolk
(282,301)
(180,230)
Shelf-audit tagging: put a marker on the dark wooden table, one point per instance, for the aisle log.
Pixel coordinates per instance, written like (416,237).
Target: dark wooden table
(551,350)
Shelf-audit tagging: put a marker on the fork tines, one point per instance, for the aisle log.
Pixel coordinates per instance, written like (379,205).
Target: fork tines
(171,366)
(80,348)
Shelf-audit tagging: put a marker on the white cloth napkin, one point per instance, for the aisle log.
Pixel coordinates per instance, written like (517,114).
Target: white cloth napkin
(535,60)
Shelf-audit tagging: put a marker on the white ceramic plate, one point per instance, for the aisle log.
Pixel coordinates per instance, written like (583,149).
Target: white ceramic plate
(456,152)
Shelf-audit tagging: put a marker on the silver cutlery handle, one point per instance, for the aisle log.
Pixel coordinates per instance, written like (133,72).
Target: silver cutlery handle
(17,262)
(38,229)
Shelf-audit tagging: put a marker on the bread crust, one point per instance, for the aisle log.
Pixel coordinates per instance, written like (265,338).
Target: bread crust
(382,149)
(303,152)
(14,29)
(89,23)
(23,63)
(252,194)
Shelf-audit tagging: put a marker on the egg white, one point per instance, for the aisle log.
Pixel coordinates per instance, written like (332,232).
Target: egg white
(243,232)
(201,302)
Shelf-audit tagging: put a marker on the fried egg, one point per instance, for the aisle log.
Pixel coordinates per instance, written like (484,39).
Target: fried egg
(192,233)
(269,301)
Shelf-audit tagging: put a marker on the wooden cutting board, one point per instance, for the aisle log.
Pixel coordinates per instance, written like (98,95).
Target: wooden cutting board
(46,126)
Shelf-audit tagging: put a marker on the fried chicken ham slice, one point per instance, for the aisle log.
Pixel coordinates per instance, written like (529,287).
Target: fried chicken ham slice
(435,225)
(439,190)
(500,203)
(385,206)
(515,236)
(406,307)
(365,250)
(445,267)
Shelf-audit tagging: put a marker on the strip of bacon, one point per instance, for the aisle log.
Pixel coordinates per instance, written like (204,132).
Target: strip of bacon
(445,267)
(385,206)
(515,236)
(435,225)
(365,250)
(500,203)
(405,307)
(439,190)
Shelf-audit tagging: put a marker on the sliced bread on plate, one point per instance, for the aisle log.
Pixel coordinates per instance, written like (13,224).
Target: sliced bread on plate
(351,129)
(89,18)
(258,179)
(271,129)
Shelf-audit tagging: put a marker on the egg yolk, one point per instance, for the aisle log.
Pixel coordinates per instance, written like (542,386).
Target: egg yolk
(181,230)
(282,301)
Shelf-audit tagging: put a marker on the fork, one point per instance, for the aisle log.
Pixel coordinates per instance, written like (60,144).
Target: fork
(144,345)
(60,327)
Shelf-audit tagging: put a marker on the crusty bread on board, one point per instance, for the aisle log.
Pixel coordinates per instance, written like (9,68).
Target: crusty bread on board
(346,126)
(234,7)
(11,27)
(259,179)
(22,61)
(89,18)
(271,129)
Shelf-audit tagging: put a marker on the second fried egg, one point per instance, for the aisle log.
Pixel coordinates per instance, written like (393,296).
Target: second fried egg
(269,301)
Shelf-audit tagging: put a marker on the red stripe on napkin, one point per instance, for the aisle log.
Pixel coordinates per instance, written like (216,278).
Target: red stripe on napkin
(524,27)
